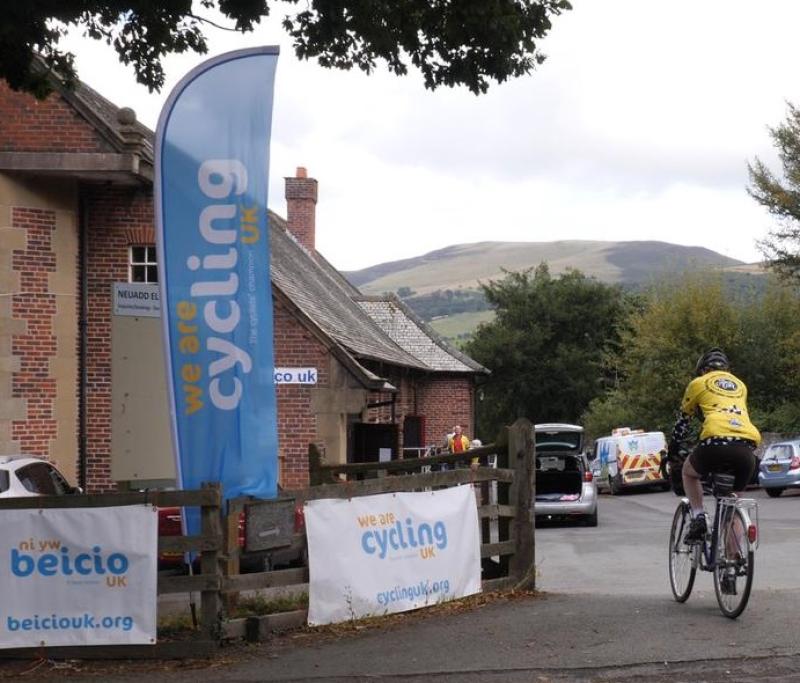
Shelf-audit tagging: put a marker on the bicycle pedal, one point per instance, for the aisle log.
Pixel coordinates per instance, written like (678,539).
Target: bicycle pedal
(728,584)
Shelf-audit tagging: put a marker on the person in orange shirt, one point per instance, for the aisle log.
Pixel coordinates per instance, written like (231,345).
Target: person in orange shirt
(457,442)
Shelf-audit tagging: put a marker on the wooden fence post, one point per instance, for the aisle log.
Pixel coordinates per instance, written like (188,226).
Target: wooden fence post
(210,599)
(318,474)
(232,552)
(522,459)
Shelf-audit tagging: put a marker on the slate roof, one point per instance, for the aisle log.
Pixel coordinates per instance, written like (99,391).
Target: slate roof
(412,334)
(328,302)
(407,330)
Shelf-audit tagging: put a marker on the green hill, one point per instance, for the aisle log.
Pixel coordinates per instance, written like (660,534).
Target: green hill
(462,266)
(442,286)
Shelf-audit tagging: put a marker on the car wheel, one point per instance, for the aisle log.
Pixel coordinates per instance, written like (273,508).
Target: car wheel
(774,493)
(615,484)
(591,520)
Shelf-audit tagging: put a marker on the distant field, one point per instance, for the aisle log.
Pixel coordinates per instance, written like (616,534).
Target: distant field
(453,326)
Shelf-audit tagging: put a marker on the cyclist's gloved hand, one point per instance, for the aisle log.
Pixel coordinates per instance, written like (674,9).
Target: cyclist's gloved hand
(676,456)
(674,451)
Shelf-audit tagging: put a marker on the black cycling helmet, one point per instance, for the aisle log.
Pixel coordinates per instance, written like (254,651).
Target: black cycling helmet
(713,359)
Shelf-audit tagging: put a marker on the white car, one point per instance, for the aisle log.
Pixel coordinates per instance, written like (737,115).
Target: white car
(22,476)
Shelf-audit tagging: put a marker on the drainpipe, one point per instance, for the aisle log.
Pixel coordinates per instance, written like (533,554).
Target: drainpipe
(478,383)
(83,329)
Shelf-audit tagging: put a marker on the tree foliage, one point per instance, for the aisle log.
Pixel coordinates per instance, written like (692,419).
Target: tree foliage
(546,346)
(780,195)
(681,320)
(468,42)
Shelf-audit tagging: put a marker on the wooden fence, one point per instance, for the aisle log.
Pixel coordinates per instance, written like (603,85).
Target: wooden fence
(508,515)
(508,558)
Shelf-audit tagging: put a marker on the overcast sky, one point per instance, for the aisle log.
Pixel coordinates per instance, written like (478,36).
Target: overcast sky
(637,127)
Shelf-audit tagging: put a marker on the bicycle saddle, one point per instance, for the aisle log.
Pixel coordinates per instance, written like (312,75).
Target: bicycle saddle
(719,484)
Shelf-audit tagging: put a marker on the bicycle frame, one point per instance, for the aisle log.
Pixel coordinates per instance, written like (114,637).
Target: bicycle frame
(707,559)
(727,550)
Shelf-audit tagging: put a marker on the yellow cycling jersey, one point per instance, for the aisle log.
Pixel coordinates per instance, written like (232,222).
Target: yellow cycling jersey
(721,400)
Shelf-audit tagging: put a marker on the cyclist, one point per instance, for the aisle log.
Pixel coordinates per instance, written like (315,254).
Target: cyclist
(727,437)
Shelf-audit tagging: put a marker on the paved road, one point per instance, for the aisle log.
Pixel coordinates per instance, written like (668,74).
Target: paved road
(626,554)
(606,615)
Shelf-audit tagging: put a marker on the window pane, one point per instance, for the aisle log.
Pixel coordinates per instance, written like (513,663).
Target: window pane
(138,273)
(36,479)
(60,485)
(151,255)
(152,273)
(138,254)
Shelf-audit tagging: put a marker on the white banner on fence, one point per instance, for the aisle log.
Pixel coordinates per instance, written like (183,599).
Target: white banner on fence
(391,552)
(84,576)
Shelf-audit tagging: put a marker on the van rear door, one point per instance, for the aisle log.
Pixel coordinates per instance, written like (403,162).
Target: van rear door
(639,458)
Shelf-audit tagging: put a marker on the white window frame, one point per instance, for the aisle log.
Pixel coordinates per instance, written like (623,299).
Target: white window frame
(149,249)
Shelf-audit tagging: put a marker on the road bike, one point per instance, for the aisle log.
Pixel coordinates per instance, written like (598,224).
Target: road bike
(728,549)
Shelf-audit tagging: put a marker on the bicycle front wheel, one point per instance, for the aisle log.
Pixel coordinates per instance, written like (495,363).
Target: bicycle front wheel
(682,564)
(733,575)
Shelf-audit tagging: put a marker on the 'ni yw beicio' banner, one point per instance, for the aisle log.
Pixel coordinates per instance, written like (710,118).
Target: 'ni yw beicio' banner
(212,160)
(84,576)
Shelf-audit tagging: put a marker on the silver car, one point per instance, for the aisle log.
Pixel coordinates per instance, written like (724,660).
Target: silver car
(780,467)
(565,487)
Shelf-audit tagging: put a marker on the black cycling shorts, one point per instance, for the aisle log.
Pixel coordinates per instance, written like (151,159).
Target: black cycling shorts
(734,458)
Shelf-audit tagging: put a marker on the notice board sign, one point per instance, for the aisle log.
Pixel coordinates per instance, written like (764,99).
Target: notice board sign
(137,299)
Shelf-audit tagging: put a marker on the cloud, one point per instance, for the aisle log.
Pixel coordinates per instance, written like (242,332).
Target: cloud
(638,126)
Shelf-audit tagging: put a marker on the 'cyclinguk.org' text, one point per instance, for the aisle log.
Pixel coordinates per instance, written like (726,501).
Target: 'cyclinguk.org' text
(437,590)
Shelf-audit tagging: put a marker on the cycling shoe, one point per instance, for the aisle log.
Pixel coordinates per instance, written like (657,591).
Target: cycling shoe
(697,530)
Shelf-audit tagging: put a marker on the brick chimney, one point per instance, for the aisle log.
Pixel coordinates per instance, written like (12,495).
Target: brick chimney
(301,203)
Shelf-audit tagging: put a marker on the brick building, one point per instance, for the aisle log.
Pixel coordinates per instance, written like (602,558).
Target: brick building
(76,216)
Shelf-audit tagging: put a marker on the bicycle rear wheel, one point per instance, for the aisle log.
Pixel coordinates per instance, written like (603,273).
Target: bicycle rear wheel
(682,564)
(733,575)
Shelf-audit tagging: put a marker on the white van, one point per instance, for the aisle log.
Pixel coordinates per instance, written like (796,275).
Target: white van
(629,458)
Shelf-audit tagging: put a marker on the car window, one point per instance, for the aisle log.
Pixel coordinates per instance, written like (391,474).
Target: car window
(780,452)
(558,441)
(61,484)
(4,481)
(43,479)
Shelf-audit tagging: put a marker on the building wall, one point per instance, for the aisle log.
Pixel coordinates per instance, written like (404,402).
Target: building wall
(297,424)
(117,218)
(39,268)
(38,320)
(49,125)
(444,401)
